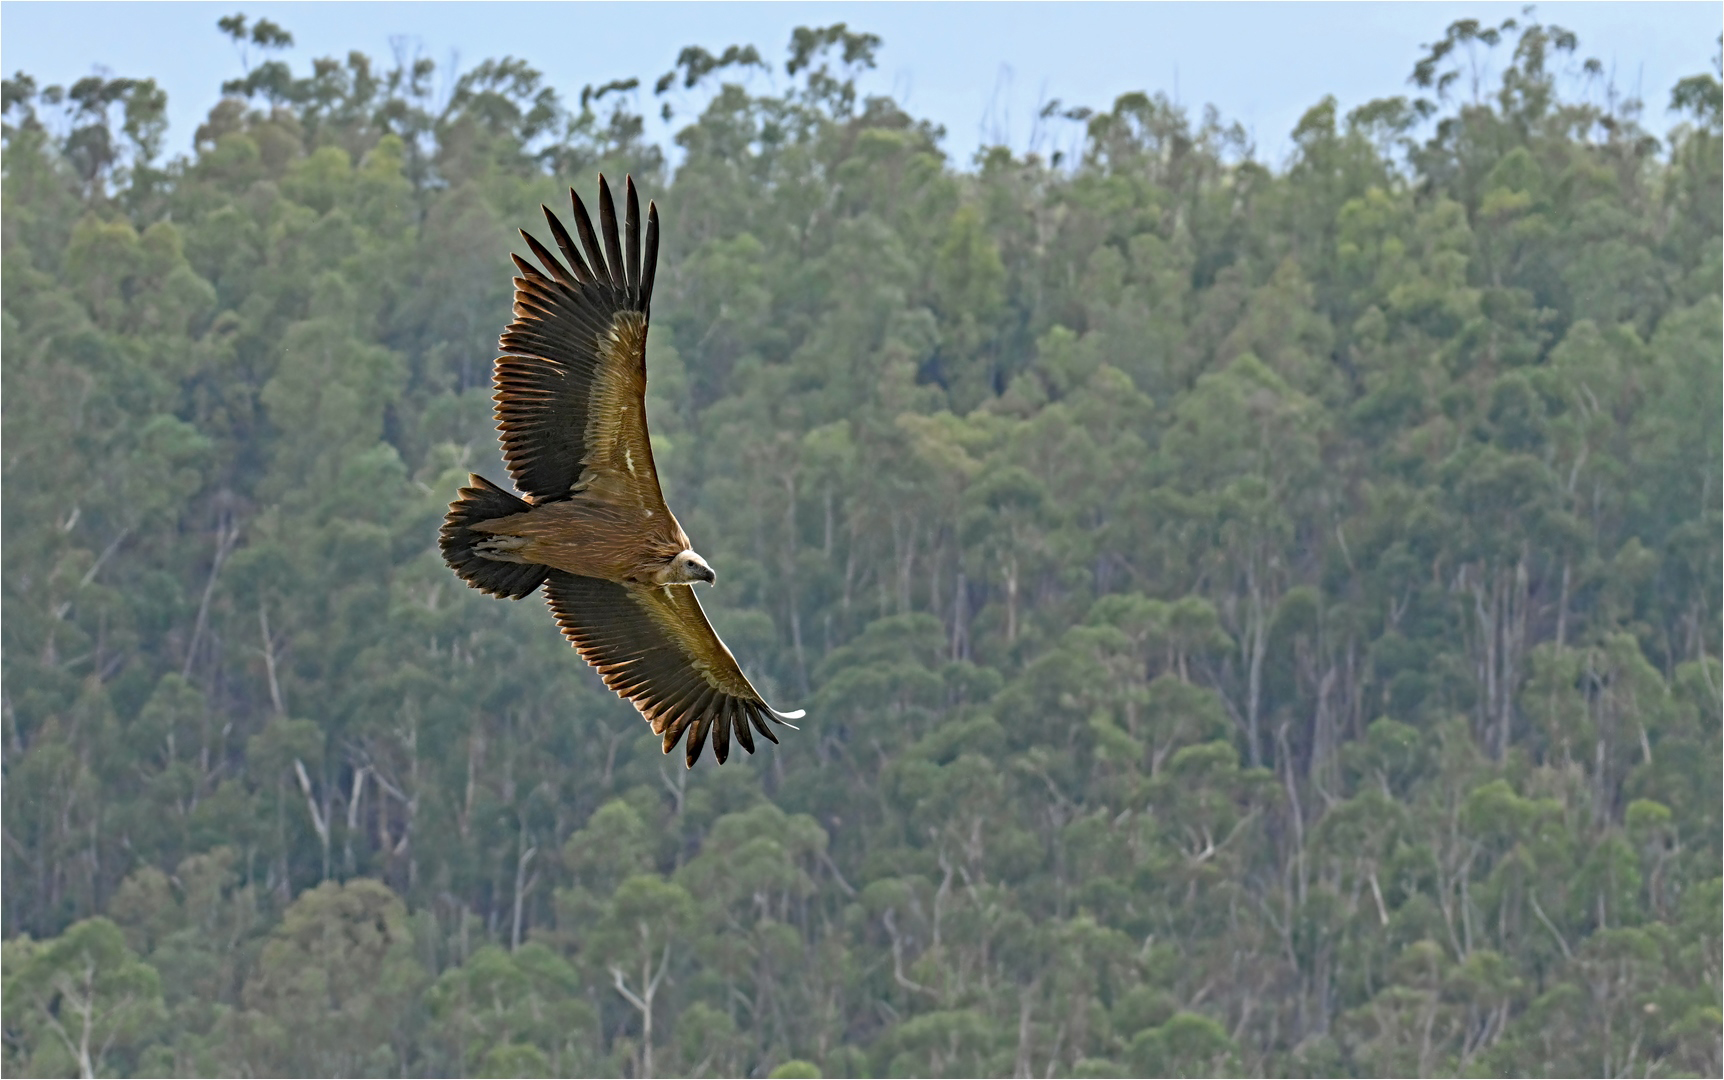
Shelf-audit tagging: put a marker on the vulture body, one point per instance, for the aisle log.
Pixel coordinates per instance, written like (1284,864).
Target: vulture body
(593,530)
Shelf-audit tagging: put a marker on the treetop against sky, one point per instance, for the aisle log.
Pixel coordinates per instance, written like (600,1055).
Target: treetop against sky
(983,71)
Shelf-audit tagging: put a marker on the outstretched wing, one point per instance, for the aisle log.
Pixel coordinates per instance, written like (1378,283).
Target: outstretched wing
(653,646)
(571,380)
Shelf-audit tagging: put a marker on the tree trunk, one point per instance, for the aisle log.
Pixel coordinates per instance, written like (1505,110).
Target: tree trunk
(522,885)
(319,817)
(960,613)
(643,1001)
(791,597)
(227,534)
(1257,642)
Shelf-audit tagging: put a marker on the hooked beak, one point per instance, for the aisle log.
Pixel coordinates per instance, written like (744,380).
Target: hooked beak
(708,575)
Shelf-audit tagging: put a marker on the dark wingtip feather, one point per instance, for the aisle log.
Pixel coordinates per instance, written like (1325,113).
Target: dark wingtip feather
(551,262)
(650,259)
(608,226)
(743,734)
(721,735)
(759,715)
(697,739)
(589,239)
(577,265)
(632,237)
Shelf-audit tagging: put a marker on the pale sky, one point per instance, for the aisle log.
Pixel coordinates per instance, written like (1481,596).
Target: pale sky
(980,69)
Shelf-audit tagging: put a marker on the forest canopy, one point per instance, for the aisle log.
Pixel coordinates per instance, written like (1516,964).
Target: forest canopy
(1253,618)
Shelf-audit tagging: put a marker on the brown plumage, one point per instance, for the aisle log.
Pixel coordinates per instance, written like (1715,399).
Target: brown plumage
(594,530)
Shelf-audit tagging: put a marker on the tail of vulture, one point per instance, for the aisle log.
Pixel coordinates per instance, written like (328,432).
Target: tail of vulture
(483,501)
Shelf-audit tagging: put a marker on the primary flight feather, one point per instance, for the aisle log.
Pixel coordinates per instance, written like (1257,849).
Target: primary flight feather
(617,570)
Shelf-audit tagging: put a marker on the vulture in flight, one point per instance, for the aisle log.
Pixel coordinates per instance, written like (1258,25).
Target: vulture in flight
(594,530)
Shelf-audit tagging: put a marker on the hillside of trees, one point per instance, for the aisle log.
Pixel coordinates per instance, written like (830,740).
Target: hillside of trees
(1253,618)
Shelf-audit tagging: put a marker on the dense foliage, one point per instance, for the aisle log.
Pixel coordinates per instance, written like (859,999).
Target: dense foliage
(1251,620)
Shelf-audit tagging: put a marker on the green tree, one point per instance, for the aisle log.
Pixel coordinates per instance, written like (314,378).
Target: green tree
(78,1002)
(334,984)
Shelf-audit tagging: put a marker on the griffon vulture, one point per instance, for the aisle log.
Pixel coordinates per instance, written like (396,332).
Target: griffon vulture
(594,529)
